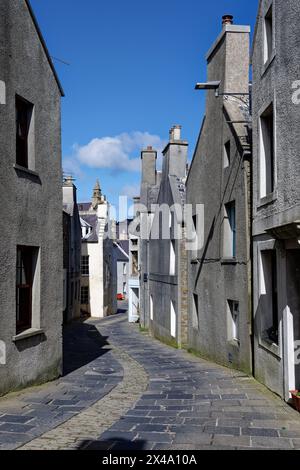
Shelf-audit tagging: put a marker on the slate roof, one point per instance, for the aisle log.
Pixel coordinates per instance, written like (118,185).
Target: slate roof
(120,256)
(124,244)
(84,206)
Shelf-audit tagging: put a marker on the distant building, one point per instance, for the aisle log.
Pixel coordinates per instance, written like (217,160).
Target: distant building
(72,251)
(276,195)
(122,229)
(134,267)
(121,255)
(98,273)
(31,243)
(219,270)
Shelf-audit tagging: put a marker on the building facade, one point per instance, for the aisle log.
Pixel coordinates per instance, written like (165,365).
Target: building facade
(134,267)
(276,195)
(121,256)
(150,184)
(167,273)
(72,252)
(98,271)
(31,242)
(219,269)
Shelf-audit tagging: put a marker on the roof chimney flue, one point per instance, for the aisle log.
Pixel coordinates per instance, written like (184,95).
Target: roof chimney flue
(175,133)
(227,19)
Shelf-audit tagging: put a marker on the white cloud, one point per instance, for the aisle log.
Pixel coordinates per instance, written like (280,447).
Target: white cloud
(71,166)
(116,153)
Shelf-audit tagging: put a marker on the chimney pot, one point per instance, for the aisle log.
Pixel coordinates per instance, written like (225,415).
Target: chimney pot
(227,19)
(149,147)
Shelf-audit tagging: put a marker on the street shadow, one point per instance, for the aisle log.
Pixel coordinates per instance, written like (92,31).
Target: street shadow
(82,344)
(117,444)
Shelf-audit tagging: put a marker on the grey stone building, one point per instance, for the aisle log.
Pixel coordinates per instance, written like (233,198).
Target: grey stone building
(219,269)
(276,195)
(72,251)
(150,184)
(167,276)
(31,243)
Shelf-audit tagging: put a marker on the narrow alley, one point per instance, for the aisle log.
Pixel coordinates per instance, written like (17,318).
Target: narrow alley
(176,401)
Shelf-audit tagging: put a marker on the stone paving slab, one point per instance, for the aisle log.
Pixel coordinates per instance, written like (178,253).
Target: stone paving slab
(191,404)
(33,412)
(167,400)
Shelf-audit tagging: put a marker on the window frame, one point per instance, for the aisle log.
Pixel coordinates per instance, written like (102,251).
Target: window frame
(229,231)
(23,106)
(267,159)
(85,266)
(24,254)
(268,35)
(233,321)
(195,312)
(227,154)
(85,296)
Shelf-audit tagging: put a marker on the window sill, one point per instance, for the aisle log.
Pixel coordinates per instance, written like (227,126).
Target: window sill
(269,199)
(234,343)
(270,346)
(229,261)
(25,170)
(27,173)
(268,64)
(28,334)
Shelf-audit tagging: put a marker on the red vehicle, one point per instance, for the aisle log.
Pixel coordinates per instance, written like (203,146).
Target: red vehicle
(120,297)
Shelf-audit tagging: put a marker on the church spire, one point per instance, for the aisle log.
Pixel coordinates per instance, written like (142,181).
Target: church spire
(97,198)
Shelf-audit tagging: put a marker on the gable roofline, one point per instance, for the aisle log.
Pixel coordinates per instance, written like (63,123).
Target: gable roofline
(258,16)
(121,250)
(35,22)
(196,148)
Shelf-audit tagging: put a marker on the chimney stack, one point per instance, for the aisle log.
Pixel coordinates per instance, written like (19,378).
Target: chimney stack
(149,157)
(227,19)
(175,155)
(175,133)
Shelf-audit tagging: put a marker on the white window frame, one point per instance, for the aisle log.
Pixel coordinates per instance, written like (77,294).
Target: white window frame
(151,308)
(172,271)
(173,320)
(196,311)
(268,34)
(233,320)
(263,192)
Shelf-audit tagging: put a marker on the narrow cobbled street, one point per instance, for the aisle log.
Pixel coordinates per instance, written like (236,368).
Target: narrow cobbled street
(123,390)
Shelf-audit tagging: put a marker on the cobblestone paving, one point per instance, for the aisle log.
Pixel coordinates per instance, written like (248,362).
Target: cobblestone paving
(79,431)
(165,399)
(91,373)
(194,404)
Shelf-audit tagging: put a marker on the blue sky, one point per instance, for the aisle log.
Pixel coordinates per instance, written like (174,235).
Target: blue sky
(133,67)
